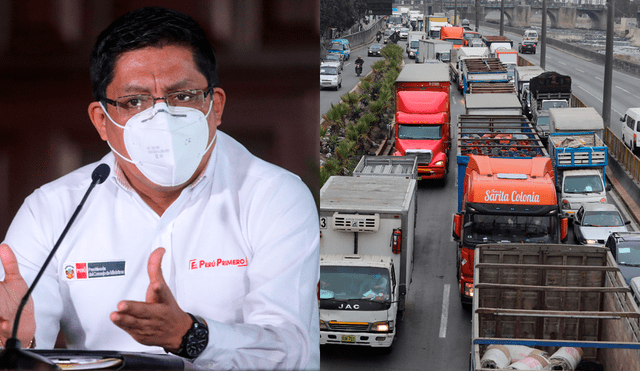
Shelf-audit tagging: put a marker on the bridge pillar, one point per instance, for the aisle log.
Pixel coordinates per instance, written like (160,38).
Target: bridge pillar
(521,16)
(471,13)
(566,17)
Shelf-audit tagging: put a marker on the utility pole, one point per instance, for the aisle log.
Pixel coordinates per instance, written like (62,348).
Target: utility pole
(501,17)
(477,17)
(543,37)
(455,13)
(608,66)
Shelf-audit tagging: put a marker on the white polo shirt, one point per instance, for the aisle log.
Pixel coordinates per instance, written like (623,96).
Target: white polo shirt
(242,251)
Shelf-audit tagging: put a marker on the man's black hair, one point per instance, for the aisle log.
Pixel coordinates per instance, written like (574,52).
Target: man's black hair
(149,26)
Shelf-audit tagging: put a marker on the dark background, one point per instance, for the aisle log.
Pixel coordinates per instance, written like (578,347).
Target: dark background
(268,66)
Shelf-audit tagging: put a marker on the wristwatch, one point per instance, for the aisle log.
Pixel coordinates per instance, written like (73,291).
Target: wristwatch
(195,340)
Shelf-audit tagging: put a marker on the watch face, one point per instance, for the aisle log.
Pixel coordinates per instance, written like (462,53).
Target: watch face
(197,341)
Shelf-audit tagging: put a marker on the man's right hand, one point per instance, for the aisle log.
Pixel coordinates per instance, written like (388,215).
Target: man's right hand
(12,289)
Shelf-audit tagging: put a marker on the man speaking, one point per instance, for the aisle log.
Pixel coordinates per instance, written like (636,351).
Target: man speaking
(192,245)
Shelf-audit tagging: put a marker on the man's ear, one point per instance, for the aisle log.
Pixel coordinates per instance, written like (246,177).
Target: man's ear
(99,119)
(219,98)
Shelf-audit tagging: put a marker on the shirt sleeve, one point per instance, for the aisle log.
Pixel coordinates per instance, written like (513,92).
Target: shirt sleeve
(29,236)
(280,311)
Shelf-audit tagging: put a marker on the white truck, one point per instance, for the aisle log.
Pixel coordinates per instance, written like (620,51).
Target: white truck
(575,119)
(434,49)
(367,229)
(413,40)
(521,77)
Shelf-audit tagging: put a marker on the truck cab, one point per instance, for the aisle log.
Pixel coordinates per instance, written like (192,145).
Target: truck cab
(358,299)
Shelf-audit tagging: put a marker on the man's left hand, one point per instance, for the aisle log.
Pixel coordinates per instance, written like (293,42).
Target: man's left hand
(158,320)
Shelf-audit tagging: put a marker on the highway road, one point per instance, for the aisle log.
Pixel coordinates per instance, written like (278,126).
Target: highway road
(436,331)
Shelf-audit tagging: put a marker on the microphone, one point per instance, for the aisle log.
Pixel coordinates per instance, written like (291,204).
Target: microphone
(12,357)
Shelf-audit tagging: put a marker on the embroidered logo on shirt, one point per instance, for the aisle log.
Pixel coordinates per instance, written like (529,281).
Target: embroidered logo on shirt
(200,263)
(84,270)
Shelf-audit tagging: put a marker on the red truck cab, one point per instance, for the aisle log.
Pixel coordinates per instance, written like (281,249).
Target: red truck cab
(423,117)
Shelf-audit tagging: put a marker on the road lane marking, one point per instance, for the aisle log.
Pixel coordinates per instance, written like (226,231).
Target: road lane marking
(562,63)
(445,311)
(579,70)
(617,112)
(586,91)
(597,78)
(627,91)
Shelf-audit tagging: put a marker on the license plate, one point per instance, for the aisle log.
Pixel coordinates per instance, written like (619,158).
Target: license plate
(348,338)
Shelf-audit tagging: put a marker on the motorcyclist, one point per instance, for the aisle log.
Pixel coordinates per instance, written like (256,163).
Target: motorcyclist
(359,61)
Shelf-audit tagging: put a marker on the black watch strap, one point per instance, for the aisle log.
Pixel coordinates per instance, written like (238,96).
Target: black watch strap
(195,341)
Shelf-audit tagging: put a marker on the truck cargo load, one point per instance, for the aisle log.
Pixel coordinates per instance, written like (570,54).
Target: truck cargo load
(482,70)
(422,117)
(568,300)
(506,190)
(575,119)
(492,104)
(458,55)
(405,166)
(579,161)
(367,231)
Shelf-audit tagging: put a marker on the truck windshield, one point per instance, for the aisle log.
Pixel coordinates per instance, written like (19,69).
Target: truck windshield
(583,184)
(431,132)
(543,121)
(336,46)
(455,41)
(352,283)
(415,44)
(483,228)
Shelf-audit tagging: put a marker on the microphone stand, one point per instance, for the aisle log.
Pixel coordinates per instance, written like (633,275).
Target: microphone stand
(12,357)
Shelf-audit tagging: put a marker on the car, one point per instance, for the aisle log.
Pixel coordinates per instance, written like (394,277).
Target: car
(334,57)
(594,222)
(625,248)
(404,33)
(330,76)
(527,46)
(374,50)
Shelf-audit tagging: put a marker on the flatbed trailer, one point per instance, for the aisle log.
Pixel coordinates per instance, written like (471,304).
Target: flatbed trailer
(548,296)
(492,88)
(483,70)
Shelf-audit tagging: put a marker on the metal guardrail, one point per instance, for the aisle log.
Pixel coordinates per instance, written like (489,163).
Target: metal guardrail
(622,154)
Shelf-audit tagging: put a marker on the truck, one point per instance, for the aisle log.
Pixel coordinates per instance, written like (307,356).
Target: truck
(482,70)
(434,49)
(579,162)
(492,104)
(495,42)
(367,227)
(458,55)
(572,119)
(453,34)
(406,166)
(433,23)
(508,57)
(521,77)
(469,35)
(423,117)
(413,41)
(565,303)
(506,190)
(547,90)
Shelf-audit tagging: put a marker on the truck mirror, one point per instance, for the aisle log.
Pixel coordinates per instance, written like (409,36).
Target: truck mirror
(608,187)
(622,118)
(457,226)
(627,222)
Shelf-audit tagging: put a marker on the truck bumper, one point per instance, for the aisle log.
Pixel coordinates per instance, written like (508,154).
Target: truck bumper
(375,340)
(431,172)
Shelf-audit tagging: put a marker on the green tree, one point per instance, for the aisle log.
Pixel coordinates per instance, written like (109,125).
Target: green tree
(341,14)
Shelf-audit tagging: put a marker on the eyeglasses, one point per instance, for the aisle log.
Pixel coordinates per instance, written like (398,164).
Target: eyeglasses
(130,105)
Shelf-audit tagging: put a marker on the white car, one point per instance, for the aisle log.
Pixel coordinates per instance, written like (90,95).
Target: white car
(594,222)
(335,57)
(330,76)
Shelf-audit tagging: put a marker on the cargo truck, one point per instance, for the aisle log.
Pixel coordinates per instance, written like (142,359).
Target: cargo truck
(406,166)
(506,191)
(423,117)
(434,49)
(521,77)
(579,161)
(413,42)
(495,42)
(455,35)
(568,301)
(482,71)
(433,23)
(547,90)
(508,57)
(459,55)
(573,119)
(367,229)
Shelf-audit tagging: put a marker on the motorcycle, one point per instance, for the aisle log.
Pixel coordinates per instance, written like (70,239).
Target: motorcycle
(358,69)
(378,37)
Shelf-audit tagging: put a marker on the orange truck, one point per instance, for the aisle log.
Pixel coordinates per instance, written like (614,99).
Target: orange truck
(506,190)
(423,117)
(454,35)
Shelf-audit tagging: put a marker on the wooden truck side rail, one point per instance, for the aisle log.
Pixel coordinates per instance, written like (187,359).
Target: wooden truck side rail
(549,296)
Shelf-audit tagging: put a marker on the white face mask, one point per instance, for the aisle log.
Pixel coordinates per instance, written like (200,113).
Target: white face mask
(166,143)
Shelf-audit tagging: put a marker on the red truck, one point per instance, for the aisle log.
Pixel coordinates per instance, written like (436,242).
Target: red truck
(454,35)
(423,117)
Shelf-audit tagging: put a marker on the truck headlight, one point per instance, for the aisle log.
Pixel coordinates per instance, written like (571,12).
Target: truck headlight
(323,325)
(380,326)
(439,163)
(590,242)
